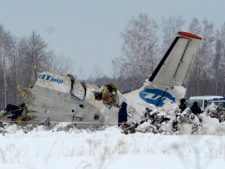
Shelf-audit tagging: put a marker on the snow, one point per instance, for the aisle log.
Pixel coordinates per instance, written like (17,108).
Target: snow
(110,148)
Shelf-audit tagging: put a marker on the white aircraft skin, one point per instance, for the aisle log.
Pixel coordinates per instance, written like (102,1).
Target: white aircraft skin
(54,97)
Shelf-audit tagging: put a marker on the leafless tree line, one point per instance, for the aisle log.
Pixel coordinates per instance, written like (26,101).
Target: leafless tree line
(21,59)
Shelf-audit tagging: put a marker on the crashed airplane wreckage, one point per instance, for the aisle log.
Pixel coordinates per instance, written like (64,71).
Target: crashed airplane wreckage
(64,99)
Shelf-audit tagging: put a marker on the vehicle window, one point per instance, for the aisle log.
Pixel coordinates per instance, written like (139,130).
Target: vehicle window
(190,102)
(216,103)
(209,103)
(221,104)
(200,102)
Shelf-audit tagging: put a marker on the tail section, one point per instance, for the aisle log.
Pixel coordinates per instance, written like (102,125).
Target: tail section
(165,84)
(175,65)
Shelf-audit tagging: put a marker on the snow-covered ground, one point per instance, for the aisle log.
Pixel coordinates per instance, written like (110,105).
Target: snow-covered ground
(110,148)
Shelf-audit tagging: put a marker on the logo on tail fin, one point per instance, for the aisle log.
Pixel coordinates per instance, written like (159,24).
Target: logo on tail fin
(156,96)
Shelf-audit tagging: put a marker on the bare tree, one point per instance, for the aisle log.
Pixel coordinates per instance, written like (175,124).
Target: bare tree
(37,55)
(170,27)
(139,51)
(21,59)
(205,56)
(222,36)
(81,73)
(200,81)
(195,28)
(12,73)
(61,65)
(23,65)
(219,62)
(97,76)
(6,44)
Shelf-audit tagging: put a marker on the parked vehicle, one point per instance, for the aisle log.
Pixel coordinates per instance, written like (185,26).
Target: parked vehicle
(203,100)
(218,101)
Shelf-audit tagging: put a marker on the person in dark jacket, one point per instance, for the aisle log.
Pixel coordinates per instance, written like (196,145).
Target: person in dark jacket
(195,109)
(122,115)
(182,105)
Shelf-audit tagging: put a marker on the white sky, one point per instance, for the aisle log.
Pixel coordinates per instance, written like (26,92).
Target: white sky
(88,31)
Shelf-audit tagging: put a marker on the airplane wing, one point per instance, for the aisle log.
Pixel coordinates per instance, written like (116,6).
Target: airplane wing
(175,65)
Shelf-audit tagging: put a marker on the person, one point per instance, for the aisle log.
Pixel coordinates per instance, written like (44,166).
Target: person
(195,109)
(122,114)
(182,105)
(205,104)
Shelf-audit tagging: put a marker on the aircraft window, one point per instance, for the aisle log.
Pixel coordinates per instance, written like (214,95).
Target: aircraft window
(96,116)
(81,106)
(78,118)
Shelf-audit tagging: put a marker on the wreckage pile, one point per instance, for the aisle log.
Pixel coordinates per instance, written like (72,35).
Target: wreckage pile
(167,121)
(171,121)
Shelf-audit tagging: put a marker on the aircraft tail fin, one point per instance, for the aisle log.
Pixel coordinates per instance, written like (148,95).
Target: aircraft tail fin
(166,83)
(176,63)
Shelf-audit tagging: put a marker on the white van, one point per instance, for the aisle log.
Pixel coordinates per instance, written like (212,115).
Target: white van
(218,102)
(202,100)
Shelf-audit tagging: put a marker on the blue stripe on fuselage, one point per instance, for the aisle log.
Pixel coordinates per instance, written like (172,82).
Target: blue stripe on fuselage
(153,96)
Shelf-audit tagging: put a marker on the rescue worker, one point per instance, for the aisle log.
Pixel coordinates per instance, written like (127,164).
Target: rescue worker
(122,114)
(182,105)
(195,109)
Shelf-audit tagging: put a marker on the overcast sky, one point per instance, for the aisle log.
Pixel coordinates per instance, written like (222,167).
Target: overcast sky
(88,31)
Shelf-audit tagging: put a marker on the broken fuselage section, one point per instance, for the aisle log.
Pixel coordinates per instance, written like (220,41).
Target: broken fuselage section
(63,99)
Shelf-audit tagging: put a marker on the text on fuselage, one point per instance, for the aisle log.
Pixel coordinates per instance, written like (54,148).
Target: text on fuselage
(50,78)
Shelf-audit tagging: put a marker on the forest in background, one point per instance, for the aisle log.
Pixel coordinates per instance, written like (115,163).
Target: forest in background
(144,44)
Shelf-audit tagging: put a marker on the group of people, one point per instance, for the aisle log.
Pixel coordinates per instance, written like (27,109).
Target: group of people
(194,108)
